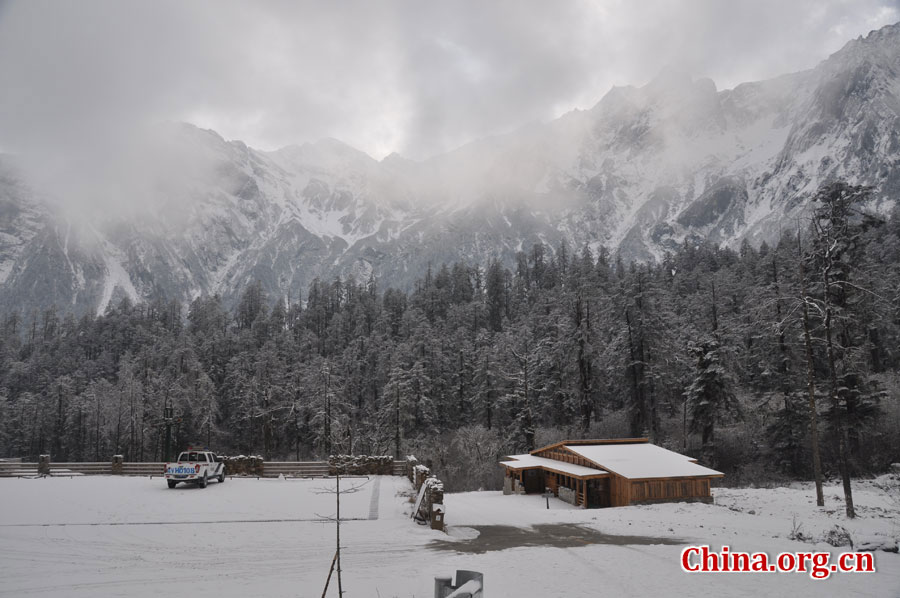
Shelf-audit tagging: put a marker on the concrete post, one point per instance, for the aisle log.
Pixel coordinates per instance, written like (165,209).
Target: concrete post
(443,587)
(469,584)
(44,465)
(117,462)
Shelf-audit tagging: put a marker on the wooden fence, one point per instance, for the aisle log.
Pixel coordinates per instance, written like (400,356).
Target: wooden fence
(270,469)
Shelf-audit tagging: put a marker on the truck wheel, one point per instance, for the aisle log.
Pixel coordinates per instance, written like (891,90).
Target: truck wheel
(172,483)
(222,477)
(203,481)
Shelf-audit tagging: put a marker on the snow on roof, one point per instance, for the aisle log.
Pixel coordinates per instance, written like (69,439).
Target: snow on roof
(526,461)
(643,460)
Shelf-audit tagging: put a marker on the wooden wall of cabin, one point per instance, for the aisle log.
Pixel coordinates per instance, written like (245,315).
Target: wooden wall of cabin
(669,489)
(619,491)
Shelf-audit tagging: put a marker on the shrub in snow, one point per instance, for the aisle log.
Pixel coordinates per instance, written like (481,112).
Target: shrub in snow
(838,536)
(797,532)
(361,464)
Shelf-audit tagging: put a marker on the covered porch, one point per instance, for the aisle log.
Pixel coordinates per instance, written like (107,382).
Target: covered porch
(579,485)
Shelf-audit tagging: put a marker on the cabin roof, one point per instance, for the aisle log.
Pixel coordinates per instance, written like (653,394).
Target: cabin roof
(530,461)
(641,460)
(591,441)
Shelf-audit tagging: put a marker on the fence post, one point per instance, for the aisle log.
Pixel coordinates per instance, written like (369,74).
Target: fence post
(411,463)
(44,465)
(421,474)
(117,462)
(437,517)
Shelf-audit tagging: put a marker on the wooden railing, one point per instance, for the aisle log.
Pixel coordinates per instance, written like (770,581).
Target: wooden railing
(17,468)
(303,469)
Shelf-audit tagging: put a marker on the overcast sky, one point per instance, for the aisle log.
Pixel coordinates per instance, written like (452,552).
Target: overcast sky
(415,77)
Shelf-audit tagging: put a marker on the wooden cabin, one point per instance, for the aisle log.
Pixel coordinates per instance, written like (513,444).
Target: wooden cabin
(609,473)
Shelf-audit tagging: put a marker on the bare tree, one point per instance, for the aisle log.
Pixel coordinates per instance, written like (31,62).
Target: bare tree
(336,561)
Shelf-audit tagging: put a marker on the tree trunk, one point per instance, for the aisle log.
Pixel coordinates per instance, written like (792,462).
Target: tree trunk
(396,421)
(811,390)
(835,403)
(529,419)
(584,364)
(97,430)
(637,417)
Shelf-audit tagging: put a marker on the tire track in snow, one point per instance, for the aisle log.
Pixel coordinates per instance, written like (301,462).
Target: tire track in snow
(376,495)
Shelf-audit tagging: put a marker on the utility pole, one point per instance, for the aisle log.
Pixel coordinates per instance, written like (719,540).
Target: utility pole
(337,527)
(168,418)
(208,419)
(336,561)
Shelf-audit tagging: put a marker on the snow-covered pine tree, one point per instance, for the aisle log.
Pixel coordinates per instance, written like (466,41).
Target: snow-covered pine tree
(710,399)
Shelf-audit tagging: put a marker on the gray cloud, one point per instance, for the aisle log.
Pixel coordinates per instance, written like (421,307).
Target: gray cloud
(408,76)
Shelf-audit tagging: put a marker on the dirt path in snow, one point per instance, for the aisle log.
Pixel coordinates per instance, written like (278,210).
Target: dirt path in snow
(556,535)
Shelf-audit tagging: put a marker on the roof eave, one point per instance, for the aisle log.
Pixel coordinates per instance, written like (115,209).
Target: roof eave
(595,441)
(590,476)
(676,477)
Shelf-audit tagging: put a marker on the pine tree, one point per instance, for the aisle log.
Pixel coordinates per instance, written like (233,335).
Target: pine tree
(495,296)
(836,227)
(710,399)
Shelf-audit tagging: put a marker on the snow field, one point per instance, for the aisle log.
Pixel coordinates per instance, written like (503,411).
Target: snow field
(251,537)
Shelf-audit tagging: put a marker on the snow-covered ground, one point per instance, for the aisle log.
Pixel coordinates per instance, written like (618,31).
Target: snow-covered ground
(109,536)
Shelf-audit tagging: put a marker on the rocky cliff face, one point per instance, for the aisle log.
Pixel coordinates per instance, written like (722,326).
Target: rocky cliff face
(642,171)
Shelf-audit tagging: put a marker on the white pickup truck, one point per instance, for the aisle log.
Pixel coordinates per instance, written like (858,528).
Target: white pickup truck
(195,466)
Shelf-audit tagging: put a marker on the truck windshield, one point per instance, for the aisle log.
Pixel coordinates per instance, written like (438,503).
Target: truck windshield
(192,456)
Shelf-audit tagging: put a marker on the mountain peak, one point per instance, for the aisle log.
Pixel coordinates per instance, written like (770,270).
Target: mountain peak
(186,130)
(395,159)
(886,33)
(642,171)
(334,145)
(670,77)
(328,153)
(879,46)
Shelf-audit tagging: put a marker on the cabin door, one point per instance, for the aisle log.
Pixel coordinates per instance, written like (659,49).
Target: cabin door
(533,480)
(598,493)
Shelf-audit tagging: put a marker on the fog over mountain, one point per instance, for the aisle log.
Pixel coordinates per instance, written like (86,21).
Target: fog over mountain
(400,76)
(177,211)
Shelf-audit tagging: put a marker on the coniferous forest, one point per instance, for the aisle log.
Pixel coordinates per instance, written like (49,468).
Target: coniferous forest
(725,355)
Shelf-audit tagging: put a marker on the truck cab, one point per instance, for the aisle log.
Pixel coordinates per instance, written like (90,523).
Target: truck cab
(196,466)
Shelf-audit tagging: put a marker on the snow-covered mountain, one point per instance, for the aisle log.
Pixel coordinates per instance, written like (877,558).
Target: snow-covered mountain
(640,172)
